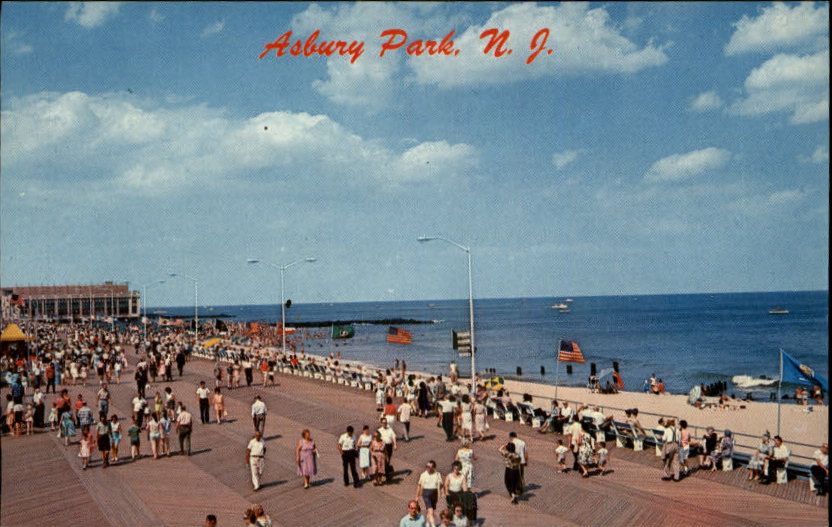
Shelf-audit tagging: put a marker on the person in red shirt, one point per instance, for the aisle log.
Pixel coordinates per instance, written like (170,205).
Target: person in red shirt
(390,410)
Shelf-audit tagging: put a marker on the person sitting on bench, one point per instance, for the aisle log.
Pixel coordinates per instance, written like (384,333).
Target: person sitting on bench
(820,470)
(777,460)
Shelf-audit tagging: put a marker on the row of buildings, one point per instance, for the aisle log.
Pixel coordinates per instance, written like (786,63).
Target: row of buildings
(70,302)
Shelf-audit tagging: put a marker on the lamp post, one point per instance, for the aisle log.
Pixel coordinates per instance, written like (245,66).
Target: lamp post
(196,304)
(470,304)
(144,303)
(282,300)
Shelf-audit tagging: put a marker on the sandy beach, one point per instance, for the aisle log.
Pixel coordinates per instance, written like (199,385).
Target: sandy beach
(802,431)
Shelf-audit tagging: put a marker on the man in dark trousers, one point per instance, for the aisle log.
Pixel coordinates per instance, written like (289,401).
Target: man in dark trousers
(180,361)
(346,447)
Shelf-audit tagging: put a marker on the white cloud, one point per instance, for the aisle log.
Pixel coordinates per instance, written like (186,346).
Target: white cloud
(679,167)
(585,41)
(821,154)
(155,16)
(369,82)
(567,157)
(127,144)
(213,29)
(14,43)
(763,204)
(705,101)
(779,26)
(91,14)
(784,197)
(788,83)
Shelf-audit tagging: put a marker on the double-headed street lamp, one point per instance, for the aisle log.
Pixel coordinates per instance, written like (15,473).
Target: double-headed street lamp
(144,302)
(196,305)
(470,305)
(282,300)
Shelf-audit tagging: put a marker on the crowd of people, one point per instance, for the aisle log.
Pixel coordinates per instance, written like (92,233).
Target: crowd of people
(66,356)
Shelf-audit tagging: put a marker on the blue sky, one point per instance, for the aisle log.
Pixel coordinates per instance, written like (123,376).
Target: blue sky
(661,148)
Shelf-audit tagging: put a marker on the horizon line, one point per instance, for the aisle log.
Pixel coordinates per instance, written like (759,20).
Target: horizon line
(511,298)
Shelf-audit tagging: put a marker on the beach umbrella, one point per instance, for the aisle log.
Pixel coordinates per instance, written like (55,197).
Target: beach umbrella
(606,375)
(694,394)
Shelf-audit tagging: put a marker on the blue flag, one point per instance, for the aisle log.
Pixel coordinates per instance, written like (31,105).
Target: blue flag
(797,373)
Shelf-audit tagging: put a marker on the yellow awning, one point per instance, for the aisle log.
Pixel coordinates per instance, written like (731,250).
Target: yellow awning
(210,342)
(12,333)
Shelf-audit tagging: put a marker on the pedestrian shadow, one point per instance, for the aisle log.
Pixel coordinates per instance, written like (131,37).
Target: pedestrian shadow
(489,437)
(274,483)
(482,493)
(203,451)
(226,420)
(271,437)
(321,482)
(414,438)
(398,476)
(533,486)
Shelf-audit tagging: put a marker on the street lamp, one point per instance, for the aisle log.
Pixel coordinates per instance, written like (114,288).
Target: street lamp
(144,302)
(470,304)
(282,301)
(196,304)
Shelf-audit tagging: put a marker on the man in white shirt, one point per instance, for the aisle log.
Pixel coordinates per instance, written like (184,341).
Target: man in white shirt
(202,394)
(820,470)
(446,416)
(404,416)
(184,421)
(138,409)
(429,487)
(388,436)
(573,430)
(778,459)
(255,454)
(521,450)
(670,450)
(258,414)
(346,447)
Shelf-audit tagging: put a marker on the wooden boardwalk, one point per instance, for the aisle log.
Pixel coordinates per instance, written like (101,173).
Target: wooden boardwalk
(43,483)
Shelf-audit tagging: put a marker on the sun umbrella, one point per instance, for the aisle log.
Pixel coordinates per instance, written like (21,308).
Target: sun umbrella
(694,394)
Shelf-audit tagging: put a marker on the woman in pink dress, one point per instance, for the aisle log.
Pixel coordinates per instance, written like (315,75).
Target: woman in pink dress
(379,455)
(306,455)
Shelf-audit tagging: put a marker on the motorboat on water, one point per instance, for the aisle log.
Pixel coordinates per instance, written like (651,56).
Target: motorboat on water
(560,306)
(778,311)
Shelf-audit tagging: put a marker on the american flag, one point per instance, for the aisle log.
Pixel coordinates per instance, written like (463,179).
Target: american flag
(399,336)
(18,300)
(569,351)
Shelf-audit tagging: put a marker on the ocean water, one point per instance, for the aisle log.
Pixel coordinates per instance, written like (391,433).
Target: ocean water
(683,339)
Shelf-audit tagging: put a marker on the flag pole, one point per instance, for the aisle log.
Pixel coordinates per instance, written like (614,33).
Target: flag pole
(779,386)
(557,367)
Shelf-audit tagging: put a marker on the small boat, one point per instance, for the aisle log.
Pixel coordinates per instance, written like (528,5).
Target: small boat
(560,306)
(568,300)
(778,311)
(564,310)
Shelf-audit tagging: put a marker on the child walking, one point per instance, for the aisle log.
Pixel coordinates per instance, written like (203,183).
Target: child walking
(603,457)
(53,417)
(135,442)
(86,446)
(560,452)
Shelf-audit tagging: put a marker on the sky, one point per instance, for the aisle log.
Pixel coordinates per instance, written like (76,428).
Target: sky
(660,148)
